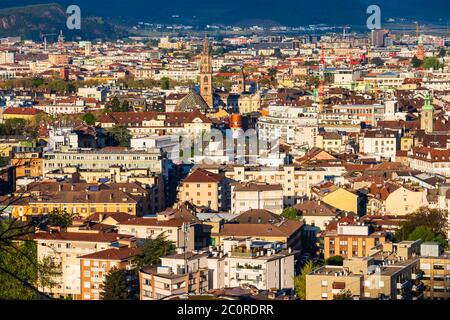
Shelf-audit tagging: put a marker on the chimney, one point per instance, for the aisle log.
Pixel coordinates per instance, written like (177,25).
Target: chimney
(111,196)
(60,187)
(100,217)
(87,196)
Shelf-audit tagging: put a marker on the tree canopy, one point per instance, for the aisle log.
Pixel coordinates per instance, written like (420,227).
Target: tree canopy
(290,213)
(115,286)
(300,280)
(154,249)
(423,222)
(118,136)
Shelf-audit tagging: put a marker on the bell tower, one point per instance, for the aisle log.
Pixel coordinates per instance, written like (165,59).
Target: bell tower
(206,85)
(427,115)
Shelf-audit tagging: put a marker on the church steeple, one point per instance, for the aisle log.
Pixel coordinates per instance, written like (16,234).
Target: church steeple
(206,88)
(427,115)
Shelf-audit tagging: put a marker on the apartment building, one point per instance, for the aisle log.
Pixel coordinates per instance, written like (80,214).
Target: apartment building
(288,124)
(95,266)
(351,240)
(181,233)
(295,180)
(435,275)
(370,113)
(382,143)
(266,265)
(28,162)
(330,142)
(81,199)
(179,273)
(388,273)
(141,124)
(316,213)
(204,188)
(430,160)
(104,159)
(252,195)
(282,230)
(65,250)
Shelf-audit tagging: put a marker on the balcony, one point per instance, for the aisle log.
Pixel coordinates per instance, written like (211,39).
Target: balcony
(402,285)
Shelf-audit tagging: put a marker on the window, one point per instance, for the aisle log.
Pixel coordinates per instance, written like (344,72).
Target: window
(87,284)
(324,283)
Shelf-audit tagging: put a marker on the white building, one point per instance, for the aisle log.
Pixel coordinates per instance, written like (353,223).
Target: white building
(247,195)
(382,143)
(292,125)
(266,265)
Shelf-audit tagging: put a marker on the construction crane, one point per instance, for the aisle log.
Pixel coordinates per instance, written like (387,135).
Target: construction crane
(322,80)
(61,42)
(44,38)
(344,31)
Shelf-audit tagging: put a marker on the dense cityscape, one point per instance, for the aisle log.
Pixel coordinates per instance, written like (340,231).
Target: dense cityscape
(308,165)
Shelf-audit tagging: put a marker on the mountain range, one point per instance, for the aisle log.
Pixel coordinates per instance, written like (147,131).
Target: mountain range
(36,17)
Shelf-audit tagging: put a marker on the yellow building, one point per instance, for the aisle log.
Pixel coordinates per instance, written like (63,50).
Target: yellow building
(21,113)
(342,199)
(204,189)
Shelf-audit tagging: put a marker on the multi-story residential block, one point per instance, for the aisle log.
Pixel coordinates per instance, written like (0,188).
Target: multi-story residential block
(266,265)
(81,199)
(430,160)
(95,266)
(351,240)
(370,113)
(203,188)
(291,125)
(330,141)
(180,232)
(104,159)
(295,180)
(252,195)
(141,124)
(180,273)
(28,162)
(382,143)
(65,249)
(435,275)
(385,274)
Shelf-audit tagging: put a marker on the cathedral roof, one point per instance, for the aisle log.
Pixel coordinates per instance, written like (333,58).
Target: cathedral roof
(191,101)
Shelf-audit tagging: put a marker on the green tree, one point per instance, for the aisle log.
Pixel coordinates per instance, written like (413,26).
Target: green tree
(58,218)
(115,286)
(114,105)
(300,280)
(343,295)
(88,118)
(431,63)
(119,136)
(416,62)
(377,61)
(426,234)
(21,274)
(165,83)
(154,249)
(442,53)
(125,106)
(435,219)
(290,213)
(335,261)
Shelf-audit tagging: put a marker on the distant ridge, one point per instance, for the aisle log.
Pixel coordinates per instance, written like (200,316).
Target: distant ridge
(31,21)
(285,12)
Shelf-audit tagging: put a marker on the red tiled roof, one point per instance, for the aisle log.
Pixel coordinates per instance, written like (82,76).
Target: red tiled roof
(116,254)
(22,111)
(203,176)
